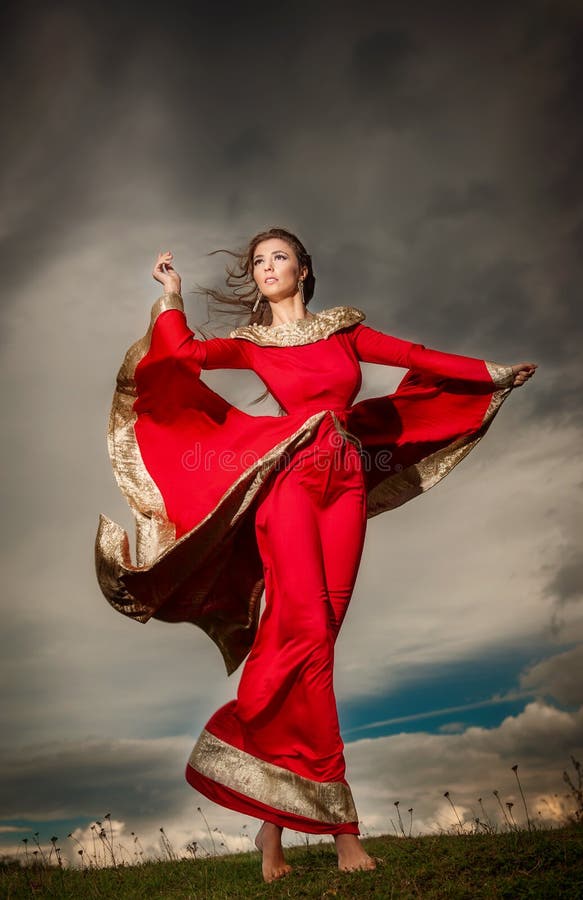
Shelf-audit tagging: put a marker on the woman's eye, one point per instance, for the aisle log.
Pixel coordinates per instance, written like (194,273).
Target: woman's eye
(259,259)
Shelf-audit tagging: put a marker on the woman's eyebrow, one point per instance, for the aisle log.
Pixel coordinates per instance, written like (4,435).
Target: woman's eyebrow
(260,255)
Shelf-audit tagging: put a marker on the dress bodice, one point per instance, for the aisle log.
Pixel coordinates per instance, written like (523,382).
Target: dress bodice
(310,377)
(309,364)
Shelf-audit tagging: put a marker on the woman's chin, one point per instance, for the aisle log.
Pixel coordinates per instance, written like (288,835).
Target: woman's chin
(277,295)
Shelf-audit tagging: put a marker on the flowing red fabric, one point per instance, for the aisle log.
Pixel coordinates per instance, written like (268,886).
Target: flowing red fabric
(309,525)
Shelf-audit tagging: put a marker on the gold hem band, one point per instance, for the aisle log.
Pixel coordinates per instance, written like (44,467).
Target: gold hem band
(323,801)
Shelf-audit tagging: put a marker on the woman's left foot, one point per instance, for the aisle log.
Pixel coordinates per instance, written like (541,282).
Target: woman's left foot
(352,856)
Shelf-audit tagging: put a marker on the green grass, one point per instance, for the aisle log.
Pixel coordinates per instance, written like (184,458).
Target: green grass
(518,864)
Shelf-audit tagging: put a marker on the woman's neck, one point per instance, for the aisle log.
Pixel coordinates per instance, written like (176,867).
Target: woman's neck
(287,310)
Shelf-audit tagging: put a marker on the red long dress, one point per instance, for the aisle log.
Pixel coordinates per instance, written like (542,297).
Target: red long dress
(227,504)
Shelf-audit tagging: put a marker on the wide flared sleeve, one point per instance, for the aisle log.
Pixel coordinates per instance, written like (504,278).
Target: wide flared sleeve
(376,347)
(191,466)
(411,439)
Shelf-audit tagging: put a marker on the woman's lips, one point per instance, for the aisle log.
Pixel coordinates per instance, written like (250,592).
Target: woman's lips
(269,280)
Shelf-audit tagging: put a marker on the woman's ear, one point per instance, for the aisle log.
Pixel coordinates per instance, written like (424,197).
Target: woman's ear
(304,273)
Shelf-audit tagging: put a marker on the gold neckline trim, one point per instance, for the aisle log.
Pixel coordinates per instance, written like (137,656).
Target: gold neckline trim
(302,331)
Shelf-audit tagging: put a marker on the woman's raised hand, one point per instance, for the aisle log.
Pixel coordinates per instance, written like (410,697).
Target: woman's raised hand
(522,372)
(165,273)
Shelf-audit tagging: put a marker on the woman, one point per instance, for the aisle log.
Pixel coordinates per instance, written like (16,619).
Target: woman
(227,504)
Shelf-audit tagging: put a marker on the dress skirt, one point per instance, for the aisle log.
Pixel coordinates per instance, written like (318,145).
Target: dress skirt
(276,751)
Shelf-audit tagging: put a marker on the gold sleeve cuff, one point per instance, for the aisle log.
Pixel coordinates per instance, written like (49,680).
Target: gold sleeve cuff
(171,300)
(502,376)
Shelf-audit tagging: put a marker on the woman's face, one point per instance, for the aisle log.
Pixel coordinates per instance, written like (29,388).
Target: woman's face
(276,269)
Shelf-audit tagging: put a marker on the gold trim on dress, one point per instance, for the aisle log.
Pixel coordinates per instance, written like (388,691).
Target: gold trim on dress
(170,300)
(330,802)
(154,531)
(301,331)
(502,376)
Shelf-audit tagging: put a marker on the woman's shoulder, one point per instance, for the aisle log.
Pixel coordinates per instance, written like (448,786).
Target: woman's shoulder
(303,331)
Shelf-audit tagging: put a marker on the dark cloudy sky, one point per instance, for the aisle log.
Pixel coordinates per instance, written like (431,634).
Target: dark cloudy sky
(429,155)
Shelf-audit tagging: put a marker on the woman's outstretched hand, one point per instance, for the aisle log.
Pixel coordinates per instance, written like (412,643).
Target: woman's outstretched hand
(165,273)
(522,372)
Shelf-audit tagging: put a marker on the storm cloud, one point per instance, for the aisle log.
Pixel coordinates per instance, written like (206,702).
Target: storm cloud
(430,161)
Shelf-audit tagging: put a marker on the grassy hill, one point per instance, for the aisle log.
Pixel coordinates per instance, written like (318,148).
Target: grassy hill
(519,864)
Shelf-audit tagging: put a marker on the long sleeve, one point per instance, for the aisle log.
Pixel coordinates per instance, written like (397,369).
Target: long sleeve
(171,336)
(376,347)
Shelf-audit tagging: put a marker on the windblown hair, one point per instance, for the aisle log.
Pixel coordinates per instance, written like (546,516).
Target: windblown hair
(239,302)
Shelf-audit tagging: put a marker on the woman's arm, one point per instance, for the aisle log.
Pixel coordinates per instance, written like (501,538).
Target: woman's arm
(375,347)
(171,335)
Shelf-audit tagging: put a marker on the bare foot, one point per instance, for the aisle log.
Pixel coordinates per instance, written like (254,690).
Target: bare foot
(268,842)
(352,856)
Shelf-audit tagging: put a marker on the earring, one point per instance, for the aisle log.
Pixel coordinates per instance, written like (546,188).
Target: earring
(301,290)
(259,298)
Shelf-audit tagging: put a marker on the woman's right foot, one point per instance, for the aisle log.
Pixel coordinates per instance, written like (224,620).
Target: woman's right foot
(352,857)
(268,842)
